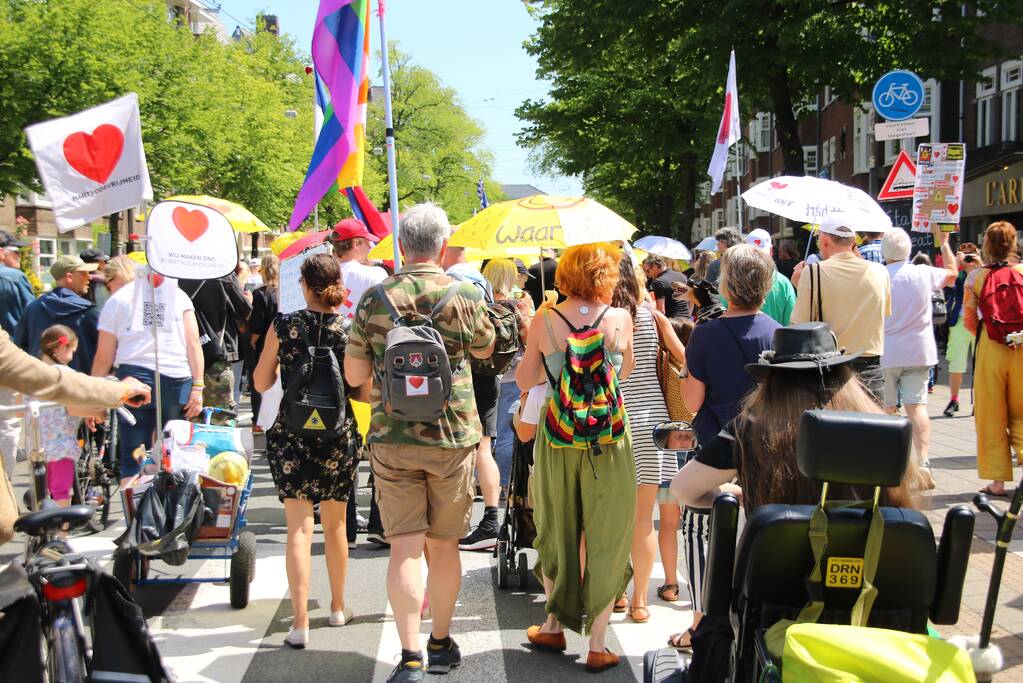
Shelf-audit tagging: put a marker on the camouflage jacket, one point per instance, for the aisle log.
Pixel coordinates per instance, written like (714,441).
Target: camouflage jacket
(463,323)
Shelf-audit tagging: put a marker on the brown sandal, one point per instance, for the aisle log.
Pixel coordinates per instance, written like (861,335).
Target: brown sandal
(634,617)
(621,605)
(675,640)
(667,588)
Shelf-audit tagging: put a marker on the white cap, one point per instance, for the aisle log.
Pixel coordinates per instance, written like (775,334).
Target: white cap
(759,238)
(254,262)
(835,225)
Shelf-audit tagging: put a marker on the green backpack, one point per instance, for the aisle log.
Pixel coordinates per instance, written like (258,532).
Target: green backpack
(587,409)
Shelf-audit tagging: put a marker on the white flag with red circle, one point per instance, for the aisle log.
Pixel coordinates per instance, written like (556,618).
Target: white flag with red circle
(92,163)
(729,131)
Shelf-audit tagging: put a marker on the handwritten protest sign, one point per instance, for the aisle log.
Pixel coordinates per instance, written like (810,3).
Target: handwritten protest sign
(190,241)
(289,298)
(938,192)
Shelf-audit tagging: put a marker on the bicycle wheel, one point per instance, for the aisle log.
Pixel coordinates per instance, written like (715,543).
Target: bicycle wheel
(65,662)
(83,490)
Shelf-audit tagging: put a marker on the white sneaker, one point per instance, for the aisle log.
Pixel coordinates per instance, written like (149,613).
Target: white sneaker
(341,617)
(297,638)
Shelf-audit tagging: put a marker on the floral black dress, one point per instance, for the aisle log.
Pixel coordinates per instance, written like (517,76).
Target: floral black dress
(303,467)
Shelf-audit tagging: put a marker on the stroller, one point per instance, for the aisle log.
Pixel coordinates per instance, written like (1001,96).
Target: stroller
(517,531)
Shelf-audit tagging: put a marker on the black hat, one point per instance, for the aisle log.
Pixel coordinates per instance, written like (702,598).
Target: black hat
(9,240)
(93,255)
(522,270)
(803,346)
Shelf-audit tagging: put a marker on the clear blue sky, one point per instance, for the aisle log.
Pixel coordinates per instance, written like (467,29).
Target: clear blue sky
(474,47)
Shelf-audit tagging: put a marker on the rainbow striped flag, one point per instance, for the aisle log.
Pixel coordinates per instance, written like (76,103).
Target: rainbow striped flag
(340,52)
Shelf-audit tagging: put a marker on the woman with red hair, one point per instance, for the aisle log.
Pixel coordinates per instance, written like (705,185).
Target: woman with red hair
(998,375)
(574,489)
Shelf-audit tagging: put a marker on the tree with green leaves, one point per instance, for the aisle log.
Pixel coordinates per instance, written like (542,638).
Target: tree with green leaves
(637,94)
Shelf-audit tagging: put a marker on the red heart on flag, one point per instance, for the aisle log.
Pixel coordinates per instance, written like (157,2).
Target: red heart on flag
(778,186)
(157,279)
(952,208)
(191,224)
(726,120)
(916,224)
(416,381)
(95,156)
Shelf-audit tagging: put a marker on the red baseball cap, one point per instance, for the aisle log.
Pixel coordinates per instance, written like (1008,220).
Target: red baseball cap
(351,228)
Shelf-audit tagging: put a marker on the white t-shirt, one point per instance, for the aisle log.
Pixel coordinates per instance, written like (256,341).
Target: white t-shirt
(536,400)
(135,347)
(908,331)
(357,278)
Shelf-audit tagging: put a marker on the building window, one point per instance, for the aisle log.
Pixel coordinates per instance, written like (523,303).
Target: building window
(1012,74)
(988,83)
(862,138)
(719,219)
(985,121)
(810,160)
(47,253)
(1010,115)
(764,131)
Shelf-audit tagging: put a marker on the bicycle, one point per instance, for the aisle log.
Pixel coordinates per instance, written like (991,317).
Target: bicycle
(902,93)
(95,474)
(58,574)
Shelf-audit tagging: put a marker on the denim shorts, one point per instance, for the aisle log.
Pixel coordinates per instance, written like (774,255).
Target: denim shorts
(174,395)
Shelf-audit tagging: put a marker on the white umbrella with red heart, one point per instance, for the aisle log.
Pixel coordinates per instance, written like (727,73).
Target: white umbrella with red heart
(808,200)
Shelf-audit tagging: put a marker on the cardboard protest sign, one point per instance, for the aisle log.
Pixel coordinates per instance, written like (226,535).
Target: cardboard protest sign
(190,241)
(938,191)
(92,163)
(289,295)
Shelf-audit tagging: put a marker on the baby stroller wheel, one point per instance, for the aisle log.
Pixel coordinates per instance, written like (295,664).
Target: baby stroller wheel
(663,666)
(502,565)
(523,567)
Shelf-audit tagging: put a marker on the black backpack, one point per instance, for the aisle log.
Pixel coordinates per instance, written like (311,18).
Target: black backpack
(505,320)
(314,401)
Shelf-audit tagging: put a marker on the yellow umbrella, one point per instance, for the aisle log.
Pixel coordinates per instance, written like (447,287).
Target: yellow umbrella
(384,251)
(541,221)
(241,219)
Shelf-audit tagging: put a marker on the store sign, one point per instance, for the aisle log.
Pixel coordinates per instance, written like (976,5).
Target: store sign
(995,193)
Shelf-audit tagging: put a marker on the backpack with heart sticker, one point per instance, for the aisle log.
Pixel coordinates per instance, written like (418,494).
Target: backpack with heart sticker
(415,378)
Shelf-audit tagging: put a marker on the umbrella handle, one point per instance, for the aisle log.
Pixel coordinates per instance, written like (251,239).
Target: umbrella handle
(809,242)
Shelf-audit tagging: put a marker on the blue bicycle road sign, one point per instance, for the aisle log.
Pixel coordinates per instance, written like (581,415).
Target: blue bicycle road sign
(898,95)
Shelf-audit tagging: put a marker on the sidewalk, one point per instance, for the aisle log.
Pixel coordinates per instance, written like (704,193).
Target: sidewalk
(953,458)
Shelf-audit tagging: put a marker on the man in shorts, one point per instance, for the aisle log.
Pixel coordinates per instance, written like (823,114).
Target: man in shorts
(909,346)
(423,471)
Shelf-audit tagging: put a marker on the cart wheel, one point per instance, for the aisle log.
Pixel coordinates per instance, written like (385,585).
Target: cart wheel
(124,569)
(523,571)
(502,565)
(243,569)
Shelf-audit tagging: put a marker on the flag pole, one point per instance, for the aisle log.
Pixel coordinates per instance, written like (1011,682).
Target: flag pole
(738,190)
(392,173)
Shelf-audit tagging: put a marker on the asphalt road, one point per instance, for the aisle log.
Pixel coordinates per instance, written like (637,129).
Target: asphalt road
(203,639)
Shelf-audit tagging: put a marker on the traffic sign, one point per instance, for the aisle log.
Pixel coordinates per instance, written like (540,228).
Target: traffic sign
(898,95)
(901,179)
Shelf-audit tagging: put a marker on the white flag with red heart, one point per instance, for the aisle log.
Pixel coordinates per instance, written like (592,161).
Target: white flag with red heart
(92,163)
(729,131)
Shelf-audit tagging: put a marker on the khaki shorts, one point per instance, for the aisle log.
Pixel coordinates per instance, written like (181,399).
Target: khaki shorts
(423,488)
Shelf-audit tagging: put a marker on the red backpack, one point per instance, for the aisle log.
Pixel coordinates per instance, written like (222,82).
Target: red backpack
(1001,302)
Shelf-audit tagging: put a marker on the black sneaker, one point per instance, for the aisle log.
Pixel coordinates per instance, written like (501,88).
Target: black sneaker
(410,671)
(483,537)
(952,408)
(442,656)
(377,538)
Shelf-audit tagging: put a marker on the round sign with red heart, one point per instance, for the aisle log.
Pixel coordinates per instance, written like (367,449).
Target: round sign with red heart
(189,241)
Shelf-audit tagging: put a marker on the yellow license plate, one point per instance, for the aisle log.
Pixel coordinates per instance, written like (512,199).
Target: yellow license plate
(844,572)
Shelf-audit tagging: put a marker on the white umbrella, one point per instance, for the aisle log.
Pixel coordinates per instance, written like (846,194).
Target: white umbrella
(663,246)
(808,200)
(707,244)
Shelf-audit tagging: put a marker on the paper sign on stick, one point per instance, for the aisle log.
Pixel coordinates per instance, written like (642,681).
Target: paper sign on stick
(289,294)
(938,192)
(92,163)
(190,241)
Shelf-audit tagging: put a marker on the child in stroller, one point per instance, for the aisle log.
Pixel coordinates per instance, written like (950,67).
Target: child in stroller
(518,531)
